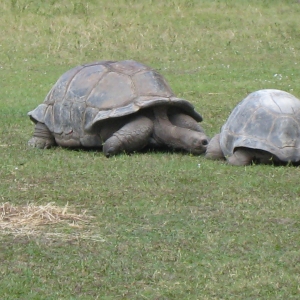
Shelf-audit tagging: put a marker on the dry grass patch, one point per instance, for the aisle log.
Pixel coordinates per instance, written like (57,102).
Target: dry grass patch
(31,219)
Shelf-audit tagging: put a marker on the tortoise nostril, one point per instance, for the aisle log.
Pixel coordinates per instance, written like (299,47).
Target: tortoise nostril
(205,142)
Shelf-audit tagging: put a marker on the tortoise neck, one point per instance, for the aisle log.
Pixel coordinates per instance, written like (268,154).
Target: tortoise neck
(164,131)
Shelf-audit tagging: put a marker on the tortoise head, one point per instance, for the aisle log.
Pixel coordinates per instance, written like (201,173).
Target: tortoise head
(192,141)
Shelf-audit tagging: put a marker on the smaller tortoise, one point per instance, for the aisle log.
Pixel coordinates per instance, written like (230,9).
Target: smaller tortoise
(118,105)
(263,128)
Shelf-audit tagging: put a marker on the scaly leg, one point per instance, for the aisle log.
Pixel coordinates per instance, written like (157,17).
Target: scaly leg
(42,137)
(131,137)
(241,157)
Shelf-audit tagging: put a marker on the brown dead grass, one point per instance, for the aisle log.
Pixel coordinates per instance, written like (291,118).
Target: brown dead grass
(31,219)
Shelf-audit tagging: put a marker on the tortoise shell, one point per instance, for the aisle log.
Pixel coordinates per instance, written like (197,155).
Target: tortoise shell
(267,120)
(98,91)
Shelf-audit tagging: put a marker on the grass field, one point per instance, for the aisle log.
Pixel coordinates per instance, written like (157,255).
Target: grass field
(76,225)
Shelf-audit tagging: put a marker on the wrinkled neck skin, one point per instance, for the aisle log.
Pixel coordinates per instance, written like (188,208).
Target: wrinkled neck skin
(176,137)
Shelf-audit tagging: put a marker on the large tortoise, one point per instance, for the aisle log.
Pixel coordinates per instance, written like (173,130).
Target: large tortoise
(121,106)
(263,128)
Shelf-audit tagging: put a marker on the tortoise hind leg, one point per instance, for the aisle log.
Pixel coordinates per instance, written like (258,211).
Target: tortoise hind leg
(42,137)
(133,136)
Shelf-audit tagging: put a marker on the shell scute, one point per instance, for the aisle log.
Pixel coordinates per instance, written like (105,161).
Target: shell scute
(256,124)
(285,133)
(151,84)
(128,67)
(114,90)
(83,83)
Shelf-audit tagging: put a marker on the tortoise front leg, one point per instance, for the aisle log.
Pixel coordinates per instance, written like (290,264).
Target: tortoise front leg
(42,137)
(241,157)
(131,137)
(246,156)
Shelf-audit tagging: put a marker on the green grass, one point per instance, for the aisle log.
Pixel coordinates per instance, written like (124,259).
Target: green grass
(166,225)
